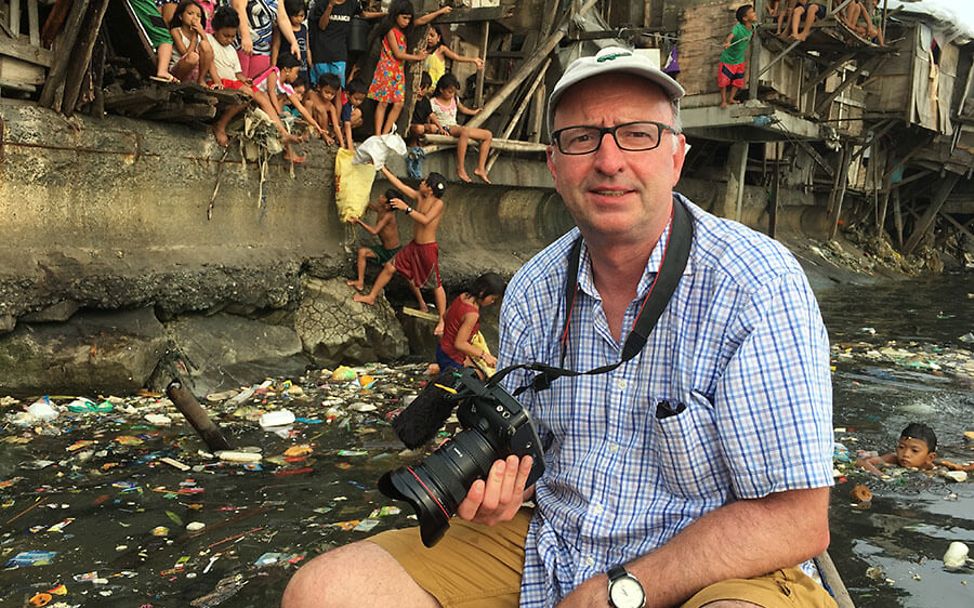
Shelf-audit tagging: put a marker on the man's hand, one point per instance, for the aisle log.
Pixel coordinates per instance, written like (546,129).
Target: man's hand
(247,45)
(499,497)
(593,592)
(398,204)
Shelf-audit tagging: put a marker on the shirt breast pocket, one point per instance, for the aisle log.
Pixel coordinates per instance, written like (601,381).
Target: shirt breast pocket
(686,449)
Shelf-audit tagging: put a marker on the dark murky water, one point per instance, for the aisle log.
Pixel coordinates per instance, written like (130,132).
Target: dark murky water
(913,517)
(115,494)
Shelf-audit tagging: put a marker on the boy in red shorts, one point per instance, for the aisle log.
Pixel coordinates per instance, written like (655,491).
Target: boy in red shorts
(418,261)
(733,61)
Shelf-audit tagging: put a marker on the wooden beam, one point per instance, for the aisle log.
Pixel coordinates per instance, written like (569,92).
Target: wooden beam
(15,17)
(527,68)
(445,142)
(773,205)
(755,82)
(476,15)
(778,57)
(528,96)
(19,49)
(811,151)
(845,84)
(838,192)
(33,23)
(957,225)
(484,39)
(919,175)
(943,190)
(53,91)
(825,72)
(82,56)
(897,217)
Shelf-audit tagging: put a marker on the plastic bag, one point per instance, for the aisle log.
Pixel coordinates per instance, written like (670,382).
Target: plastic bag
(378,148)
(353,184)
(480,342)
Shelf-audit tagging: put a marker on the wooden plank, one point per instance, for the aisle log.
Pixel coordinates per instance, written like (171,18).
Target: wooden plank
(442,142)
(181,111)
(486,13)
(14,72)
(15,17)
(944,189)
(33,23)
(484,39)
(19,49)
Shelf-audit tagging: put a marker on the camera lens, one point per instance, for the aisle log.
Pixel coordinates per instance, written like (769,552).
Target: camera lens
(436,486)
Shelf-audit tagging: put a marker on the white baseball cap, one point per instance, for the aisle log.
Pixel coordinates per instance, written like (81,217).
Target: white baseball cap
(606,61)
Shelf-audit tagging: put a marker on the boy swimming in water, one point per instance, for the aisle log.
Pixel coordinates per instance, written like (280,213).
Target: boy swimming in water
(916,449)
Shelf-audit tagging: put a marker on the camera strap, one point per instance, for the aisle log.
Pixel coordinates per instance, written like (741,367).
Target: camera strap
(676,252)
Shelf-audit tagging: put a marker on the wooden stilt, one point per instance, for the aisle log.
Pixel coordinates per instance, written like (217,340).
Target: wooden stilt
(538,112)
(97,106)
(773,204)
(897,217)
(737,165)
(944,189)
(528,96)
(838,192)
(481,74)
(82,56)
(957,225)
(53,91)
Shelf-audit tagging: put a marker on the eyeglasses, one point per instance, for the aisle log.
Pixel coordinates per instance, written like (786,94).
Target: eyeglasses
(631,136)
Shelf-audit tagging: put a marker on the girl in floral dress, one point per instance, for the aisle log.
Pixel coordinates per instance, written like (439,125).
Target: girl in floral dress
(388,82)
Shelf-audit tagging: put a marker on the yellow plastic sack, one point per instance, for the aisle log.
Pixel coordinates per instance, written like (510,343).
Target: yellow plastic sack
(479,341)
(353,184)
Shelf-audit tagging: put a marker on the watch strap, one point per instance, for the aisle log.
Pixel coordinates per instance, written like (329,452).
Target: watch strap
(617,572)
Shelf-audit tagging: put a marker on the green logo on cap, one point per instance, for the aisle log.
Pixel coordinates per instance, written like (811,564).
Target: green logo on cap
(612,56)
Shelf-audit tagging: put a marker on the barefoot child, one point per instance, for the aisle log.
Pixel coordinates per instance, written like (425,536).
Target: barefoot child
(386,228)
(227,71)
(424,120)
(808,12)
(733,61)
(320,101)
(455,348)
(276,83)
(445,106)
(388,82)
(418,261)
(192,55)
(155,30)
(351,112)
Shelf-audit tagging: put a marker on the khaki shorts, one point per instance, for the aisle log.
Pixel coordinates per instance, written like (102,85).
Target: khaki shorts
(476,566)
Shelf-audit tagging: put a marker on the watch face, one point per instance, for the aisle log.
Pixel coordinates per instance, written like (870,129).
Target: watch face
(626,593)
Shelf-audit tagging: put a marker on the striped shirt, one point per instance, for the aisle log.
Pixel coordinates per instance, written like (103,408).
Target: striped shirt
(741,345)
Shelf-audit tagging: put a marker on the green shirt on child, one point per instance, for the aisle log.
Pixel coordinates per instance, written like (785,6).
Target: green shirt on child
(735,53)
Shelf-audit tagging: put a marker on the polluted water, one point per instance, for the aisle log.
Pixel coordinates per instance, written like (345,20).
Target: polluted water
(117,501)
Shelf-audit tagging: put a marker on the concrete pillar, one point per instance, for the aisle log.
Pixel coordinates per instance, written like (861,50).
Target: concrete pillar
(736,167)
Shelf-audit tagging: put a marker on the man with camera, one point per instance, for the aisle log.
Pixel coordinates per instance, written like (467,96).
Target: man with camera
(692,466)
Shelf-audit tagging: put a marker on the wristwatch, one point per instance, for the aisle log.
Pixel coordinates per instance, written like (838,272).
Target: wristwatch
(625,590)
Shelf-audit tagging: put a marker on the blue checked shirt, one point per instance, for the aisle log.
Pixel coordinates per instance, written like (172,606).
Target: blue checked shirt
(741,345)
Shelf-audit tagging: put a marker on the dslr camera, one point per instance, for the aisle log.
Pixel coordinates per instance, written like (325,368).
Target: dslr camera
(494,427)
